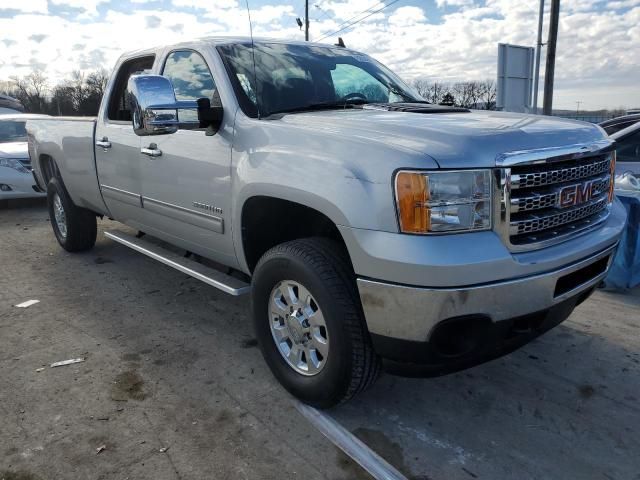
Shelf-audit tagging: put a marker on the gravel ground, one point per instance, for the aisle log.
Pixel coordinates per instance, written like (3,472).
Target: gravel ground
(172,385)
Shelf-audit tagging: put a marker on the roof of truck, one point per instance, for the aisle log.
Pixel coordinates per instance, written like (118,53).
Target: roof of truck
(224,40)
(21,116)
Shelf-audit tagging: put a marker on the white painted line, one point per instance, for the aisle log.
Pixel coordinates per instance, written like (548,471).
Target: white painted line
(28,303)
(342,438)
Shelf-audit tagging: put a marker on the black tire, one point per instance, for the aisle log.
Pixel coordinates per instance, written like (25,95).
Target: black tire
(321,266)
(81,224)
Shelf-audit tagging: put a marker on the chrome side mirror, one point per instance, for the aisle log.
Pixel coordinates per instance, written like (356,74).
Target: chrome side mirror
(153,105)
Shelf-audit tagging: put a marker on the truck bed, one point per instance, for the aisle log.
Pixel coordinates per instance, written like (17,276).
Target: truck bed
(69,141)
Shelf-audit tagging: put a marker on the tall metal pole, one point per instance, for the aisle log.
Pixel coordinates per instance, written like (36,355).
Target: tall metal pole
(306,20)
(547,105)
(536,78)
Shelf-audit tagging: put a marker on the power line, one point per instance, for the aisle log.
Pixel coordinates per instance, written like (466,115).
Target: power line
(357,21)
(324,12)
(358,14)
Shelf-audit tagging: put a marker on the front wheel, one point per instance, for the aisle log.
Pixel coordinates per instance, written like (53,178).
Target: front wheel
(309,322)
(75,228)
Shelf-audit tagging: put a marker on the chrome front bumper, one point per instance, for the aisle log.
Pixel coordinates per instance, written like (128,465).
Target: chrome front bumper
(411,313)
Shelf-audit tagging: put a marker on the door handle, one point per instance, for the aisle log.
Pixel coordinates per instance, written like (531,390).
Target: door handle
(152,150)
(104,143)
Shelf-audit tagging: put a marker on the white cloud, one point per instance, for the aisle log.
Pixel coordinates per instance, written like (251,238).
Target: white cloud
(407,16)
(597,48)
(453,3)
(87,6)
(30,6)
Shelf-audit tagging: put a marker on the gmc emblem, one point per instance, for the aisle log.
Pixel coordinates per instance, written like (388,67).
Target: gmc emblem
(576,194)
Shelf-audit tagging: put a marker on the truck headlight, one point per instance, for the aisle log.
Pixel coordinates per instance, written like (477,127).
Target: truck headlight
(441,202)
(13,163)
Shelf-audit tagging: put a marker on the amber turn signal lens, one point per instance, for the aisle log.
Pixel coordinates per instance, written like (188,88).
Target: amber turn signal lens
(612,176)
(412,196)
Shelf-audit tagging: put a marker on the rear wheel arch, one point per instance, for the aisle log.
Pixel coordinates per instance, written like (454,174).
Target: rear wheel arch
(49,168)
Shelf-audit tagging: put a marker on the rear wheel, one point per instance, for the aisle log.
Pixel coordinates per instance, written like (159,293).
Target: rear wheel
(309,322)
(75,228)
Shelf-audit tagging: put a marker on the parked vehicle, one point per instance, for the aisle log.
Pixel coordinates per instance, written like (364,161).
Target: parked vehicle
(16,179)
(614,125)
(10,105)
(628,149)
(368,225)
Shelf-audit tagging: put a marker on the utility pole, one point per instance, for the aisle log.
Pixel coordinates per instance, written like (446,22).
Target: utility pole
(578,106)
(536,79)
(306,20)
(547,105)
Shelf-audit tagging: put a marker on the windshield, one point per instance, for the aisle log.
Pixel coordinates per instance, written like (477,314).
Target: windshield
(297,77)
(12,131)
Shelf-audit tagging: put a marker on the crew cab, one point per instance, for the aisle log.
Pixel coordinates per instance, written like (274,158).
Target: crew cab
(369,227)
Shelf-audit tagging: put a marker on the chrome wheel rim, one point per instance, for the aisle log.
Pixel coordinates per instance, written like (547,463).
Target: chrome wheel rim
(59,216)
(298,328)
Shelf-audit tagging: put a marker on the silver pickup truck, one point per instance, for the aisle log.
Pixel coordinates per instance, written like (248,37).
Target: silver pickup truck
(370,227)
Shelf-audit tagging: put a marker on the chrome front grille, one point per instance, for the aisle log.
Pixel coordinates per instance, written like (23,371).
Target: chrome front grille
(537,200)
(545,222)
(595,166)
(549,196)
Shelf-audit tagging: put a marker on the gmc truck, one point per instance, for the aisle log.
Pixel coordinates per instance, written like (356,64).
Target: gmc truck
(370,228)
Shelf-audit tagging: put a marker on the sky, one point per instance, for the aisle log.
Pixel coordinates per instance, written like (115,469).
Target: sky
(598,57)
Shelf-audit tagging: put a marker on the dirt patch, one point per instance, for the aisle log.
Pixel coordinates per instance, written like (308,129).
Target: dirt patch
(224,417)
(249,343)
(372,301)
(11,451)
(128,386)
(131,357)
(383,446)
(586,391)
(351,469)
(102,260)
(17,475)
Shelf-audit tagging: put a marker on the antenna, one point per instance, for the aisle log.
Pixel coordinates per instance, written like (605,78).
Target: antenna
(253,57)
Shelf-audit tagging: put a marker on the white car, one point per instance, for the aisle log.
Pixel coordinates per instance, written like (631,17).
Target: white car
(16,179)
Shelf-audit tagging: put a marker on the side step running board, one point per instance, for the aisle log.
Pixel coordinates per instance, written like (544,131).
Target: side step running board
(210,276)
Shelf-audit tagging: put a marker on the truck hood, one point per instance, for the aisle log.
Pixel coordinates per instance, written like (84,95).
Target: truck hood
(453,140)
(14,150)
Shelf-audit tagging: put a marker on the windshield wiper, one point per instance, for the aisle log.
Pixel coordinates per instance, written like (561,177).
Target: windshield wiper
(339,104)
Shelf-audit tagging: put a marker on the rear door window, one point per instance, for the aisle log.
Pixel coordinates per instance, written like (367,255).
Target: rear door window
(118,109)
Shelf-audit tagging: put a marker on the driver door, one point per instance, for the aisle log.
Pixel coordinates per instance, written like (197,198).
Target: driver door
(186,185)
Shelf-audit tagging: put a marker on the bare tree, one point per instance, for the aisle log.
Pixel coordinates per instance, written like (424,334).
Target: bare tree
(488,88)
(95,85)
(431,91)
(423,86)
(7,88)
(31,91)
(469,94)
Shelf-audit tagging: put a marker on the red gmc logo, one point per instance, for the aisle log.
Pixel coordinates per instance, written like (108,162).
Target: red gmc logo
(576,194)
